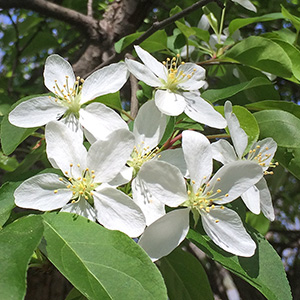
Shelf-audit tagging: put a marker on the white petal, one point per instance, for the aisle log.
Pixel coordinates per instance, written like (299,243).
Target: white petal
(36,112)
(107,157)
(82,208)
(99,121)
(265,200)
(197,79)
(252,199)
(223,152)
(175,157)
(123,177)
(37,192)
(56,69)
(169,103)
(238,135)
(198,156)
(164,182)
(152,63)
(165,234)
(73,123)
(247,4)
(229,232)
(141,72)
(107,80)
(235,179)
(267,149)
(116,211)
(64,147)
(201,111)
(149,126)
(152,208)
(203,23)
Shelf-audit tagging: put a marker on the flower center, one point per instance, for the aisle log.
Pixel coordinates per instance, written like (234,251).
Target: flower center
(262,157)
(69,96)
(81,187)
(174,77)
(140,155)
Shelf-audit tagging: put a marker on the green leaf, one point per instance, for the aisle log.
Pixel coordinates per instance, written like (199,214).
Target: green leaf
(263,54)
(283,127)
(258,222)
(264,270)
(293,54)
(295,20)
(185,277)
(272,104)
(112,100)
(8,163)
(186,30)
(187,123)
(168,131)
(201,34)
(157,41)
(214,95)
(75,295)
(17,244)
(7,200)
(100,263)
(239,23)
(126,41)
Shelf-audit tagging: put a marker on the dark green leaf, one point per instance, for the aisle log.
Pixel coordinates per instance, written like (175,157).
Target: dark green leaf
(75,295)
(100,263)
(112,100)
(264,270)
(157,41)
(185,277)
(126,41)
(7,200)
(8,163)
(17,244)
(239,23)
(283,127)
(295,20)
(262,54)
(258,222)
(214,95)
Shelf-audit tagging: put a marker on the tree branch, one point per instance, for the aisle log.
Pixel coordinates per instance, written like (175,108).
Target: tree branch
(55,11)
(90,8)
(158,25)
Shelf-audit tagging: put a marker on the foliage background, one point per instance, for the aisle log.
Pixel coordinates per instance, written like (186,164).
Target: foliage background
(31,30)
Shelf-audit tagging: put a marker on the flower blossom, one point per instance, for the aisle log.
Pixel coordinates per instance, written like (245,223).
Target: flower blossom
(83,189)
(257,198)
(177,86)
(70,94)
(205,198)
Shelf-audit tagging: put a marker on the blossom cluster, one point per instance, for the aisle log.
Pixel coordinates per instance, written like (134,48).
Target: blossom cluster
(125,179)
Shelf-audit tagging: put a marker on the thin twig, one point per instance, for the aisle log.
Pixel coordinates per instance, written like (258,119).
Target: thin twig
(90,8)
(158,25)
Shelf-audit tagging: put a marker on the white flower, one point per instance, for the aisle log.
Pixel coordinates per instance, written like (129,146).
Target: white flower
(205,198)
(258,197)
(246,4)
(70,94)
(83,190)
(177,87)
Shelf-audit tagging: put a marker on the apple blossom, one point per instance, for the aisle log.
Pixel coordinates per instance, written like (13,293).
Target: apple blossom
(204,198)
(70,94)
(258,197)
(83,189)
(177,86)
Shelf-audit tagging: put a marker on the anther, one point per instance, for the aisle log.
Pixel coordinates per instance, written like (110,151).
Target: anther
(218,179)
(55,191)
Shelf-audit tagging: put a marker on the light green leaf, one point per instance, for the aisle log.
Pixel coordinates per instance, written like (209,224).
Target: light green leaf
(75,295)
(7,200)
(264,270)
(112,100)
(186,30)
(263,54)
(17,244)
(8,163)
(283,127)
(239,23)
(185,277)
(100,263)
(214,95)
(295,20)
(258,222)
(272,104)
(124,42)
